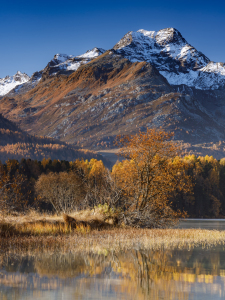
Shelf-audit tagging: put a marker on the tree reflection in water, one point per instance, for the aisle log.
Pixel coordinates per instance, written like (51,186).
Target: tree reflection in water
(136,274)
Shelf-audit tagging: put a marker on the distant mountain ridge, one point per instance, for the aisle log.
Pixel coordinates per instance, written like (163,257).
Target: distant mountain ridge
(148,80)
(166,49)
(10,82)
(60,64)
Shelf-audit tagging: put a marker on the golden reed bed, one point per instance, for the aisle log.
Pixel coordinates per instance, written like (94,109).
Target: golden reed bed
(36,233)
(116,239)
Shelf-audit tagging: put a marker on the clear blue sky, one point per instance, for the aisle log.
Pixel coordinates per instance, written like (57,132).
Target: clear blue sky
(32,32)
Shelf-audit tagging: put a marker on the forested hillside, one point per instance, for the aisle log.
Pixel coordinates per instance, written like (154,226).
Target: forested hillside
(17,144)
(207,175)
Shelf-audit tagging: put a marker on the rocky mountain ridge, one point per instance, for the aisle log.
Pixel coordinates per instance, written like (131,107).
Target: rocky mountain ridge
(174,57)
(60,64)
(166,49)
(11,82)
(121,91)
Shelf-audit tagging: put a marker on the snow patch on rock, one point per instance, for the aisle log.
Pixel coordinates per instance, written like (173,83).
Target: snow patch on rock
(71,62)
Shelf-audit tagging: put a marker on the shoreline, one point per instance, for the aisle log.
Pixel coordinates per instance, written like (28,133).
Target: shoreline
(37,232)
(114,240)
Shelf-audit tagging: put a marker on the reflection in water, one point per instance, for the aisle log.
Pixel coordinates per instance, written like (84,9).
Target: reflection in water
(137,274)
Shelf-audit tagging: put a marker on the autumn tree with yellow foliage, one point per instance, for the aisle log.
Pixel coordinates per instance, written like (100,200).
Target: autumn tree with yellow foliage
(148,176)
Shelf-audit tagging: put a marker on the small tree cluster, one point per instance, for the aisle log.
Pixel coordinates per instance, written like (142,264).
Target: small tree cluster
(63,190)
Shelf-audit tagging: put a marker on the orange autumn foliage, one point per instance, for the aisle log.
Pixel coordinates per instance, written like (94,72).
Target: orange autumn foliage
(151,173)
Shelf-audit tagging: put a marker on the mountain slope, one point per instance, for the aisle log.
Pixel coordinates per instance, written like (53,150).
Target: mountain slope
(124,90)
(108,96)
(7,125)
(100,90)
(60,64)
(16,144)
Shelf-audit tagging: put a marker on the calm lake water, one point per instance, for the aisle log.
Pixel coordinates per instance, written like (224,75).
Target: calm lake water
(209,224)
(138,274)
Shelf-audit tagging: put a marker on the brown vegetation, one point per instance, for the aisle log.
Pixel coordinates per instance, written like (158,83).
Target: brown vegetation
(41,151)
(17,144)
(36,224)
(105,240)
(12,185)
(92,224)
(63,190)
(152,188)
(148,178)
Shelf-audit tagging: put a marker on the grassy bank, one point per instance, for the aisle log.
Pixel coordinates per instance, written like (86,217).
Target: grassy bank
(37,233)
(114,240)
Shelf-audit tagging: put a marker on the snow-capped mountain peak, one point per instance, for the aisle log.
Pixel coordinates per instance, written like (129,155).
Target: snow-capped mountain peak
(161,37)
(173,56)
(95,52)
(60,58)
(64,62)
(169,35)
(165,48)
(21,77)
(10,82)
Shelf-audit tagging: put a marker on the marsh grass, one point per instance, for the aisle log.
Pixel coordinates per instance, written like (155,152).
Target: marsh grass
(118,239)
(37,224)
(33,216)
(40,228)
(37,232)
(50,228)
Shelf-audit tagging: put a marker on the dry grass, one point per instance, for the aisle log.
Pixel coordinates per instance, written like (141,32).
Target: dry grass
(36,233)
(119,239)
(36,224)
(34,216)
